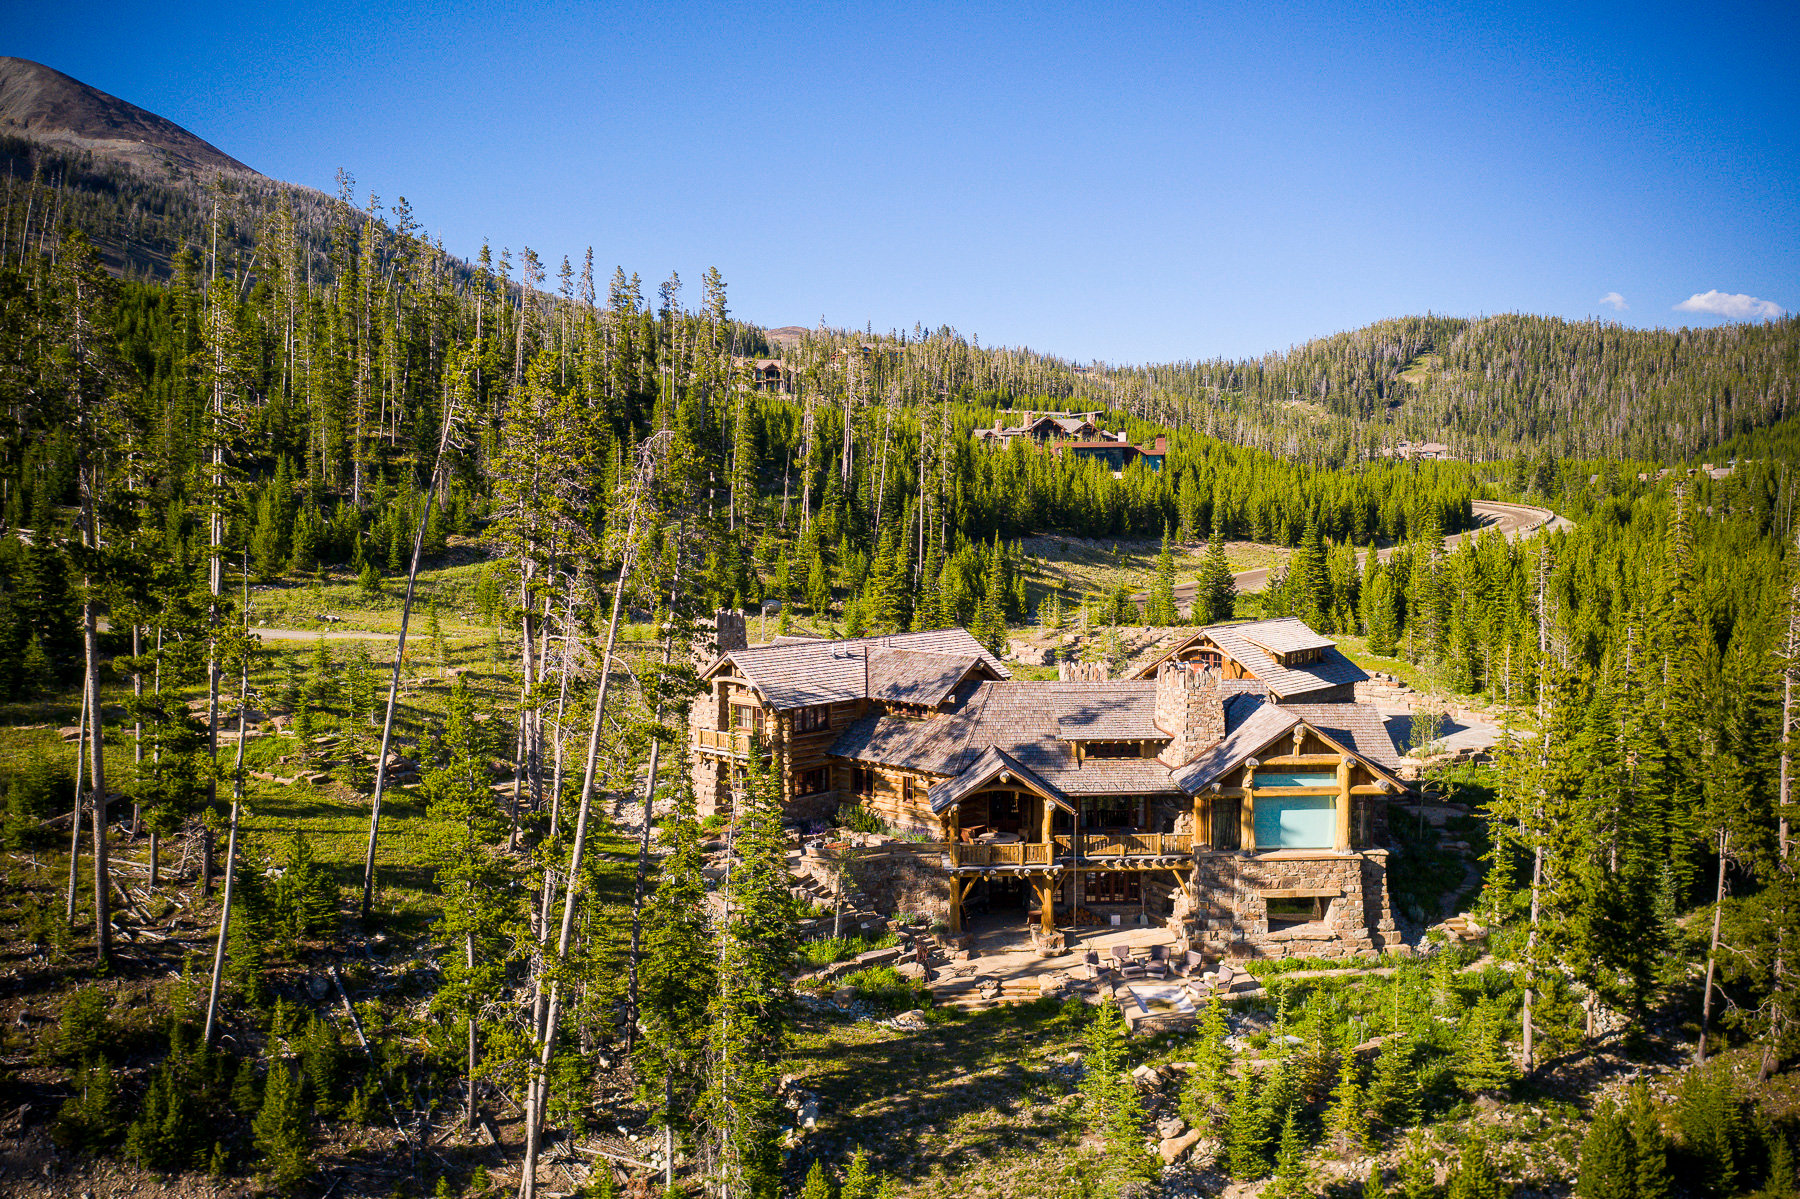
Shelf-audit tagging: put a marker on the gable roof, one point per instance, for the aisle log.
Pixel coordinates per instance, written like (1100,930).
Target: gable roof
(1028,721)
(908,676)
(994,762)
(1245,644)
(1356,729)
(799,674)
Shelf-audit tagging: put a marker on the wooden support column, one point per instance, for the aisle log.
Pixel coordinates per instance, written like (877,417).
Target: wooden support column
(1247,808)
(956,898)
(1047,919)
(1343,804)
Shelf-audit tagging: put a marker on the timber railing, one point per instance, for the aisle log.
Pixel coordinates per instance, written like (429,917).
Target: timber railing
(726,741)
(1093,846)
(1128,845)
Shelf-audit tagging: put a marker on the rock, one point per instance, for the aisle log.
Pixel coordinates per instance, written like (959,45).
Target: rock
(912,971)
(1171,1128)
(844,994)
(1400,950)
(317,987)
(913,1021)
(1146,1076)
(1172,1148)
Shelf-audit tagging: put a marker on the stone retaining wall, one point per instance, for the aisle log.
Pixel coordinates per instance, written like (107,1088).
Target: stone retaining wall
(1232,915)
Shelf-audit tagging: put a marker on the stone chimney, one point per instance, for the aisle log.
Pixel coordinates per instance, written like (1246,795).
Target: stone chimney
(1189,709)
(732,634)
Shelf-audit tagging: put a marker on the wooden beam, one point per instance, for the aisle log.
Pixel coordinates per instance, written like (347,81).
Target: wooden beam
(1301,761)
(1303,893)
(1343,804)
(1247,813)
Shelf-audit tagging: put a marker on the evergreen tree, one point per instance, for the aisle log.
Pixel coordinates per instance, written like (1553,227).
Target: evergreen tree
(1216,600)
(280,1131)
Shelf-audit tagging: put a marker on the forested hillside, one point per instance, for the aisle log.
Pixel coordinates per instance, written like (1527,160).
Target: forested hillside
(429,888)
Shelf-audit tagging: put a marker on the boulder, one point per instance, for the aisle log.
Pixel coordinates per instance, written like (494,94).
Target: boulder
(1171,1128)
(1173,1148)
(913,1021)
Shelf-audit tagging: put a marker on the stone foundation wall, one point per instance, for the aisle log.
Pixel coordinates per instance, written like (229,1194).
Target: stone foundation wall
(898,880)
(1231,915)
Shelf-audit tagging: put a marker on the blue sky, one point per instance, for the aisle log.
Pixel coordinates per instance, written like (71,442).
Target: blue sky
(1164,182)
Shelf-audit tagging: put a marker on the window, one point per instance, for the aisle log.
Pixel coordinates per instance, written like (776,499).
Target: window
(807,720)
(862,780)
(1111,749)
(1296,821)
(1113,886)
(811,782)
(745,717)
(1286,913)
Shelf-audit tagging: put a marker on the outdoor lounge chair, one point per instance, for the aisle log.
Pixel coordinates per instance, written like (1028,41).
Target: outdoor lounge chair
(1097,971)
(1192,965)
(1157,965)
(1123,963)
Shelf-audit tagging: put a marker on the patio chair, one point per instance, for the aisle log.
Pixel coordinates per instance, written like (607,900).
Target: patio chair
(1193,964)
(1157,964)
(1124,964)
(1097,971)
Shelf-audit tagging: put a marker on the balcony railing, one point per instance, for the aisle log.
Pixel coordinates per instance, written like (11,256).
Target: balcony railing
(1062,851)
(724,741)
(1018,853)
(1128,845)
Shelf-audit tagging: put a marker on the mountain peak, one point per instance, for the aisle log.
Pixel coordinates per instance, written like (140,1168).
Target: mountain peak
(45,105)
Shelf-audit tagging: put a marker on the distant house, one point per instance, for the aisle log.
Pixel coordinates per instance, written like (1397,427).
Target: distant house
(1119,453)
(1040,427)
(1077,434)
(767,374)
(1429,451)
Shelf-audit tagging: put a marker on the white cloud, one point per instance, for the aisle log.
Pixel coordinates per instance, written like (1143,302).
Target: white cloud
(1614,301)
(1737,308)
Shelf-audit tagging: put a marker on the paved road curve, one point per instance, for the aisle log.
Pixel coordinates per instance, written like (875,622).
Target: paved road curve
(1512,520)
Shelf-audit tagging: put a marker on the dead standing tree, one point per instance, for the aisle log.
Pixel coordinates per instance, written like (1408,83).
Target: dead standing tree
(446,434)
(649,453)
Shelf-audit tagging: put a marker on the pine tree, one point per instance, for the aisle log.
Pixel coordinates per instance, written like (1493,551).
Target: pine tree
(860,1181)
(1474,1176)
(1217,597)
(1160,610)
(817,1187)
(1291,1176)
(1208,1085)
(1347,1118)
(1246,1131)
(280,1130)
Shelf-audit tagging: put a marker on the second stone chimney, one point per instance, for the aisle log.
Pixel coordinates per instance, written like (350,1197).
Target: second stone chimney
(732,634)
(1190,709)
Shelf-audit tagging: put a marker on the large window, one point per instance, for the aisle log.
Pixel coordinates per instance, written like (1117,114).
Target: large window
(1296,821)
(807,720)
(811,782)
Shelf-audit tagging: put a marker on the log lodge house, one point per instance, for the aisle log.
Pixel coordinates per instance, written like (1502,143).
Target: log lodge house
(1233,790)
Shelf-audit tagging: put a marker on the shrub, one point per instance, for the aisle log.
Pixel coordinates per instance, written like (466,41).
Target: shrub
(280,1131)
(90,1118)
(856,818)
(83,1034)
(884,987)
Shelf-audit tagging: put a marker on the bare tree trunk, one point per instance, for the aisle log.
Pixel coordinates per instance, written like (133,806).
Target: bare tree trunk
(387,724)
(237,805)
(536,1093)
(469,957)
(75,825)
(97,780)
(1712,949)
(643,859)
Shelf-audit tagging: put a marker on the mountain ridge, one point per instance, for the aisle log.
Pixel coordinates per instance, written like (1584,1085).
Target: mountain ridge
(47,106)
